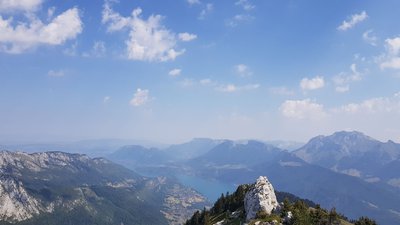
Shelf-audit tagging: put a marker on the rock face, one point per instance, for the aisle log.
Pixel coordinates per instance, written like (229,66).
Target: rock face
(261,197)
(15,203)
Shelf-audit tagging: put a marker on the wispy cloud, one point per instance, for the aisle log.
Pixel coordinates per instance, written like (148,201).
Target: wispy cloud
(193,2)
(98,50)
(187,82)
(140,97)
(239,18)
(303,109)
(373,106)
(106,99)
(281,91)
(353,20)
(307,84)
(369,37)
(235,88)
(243,70)
(186,36)
(207,82)
(56,73)
(175,72)
(391,59)
(208,8)
(246,4)
(342,81)
(219,86)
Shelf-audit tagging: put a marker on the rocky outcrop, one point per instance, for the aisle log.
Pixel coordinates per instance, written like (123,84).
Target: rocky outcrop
(261,197)
(15,203)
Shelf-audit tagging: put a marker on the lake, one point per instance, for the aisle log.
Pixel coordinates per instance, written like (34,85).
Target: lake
(212,189)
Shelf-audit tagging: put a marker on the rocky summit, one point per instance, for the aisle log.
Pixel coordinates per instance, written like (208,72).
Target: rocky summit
(260,197)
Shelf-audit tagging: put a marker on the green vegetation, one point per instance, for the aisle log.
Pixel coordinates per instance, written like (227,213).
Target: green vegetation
(365,221)
(229,208)
(102,205)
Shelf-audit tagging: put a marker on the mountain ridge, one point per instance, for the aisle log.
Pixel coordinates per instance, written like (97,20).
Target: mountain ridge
(69,188)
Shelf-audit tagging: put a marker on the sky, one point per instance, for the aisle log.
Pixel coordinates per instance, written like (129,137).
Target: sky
(173,70)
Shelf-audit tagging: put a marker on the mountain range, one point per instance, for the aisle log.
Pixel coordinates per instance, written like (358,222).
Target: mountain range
(348,170)
(62,188)
(321,170)
(355,154)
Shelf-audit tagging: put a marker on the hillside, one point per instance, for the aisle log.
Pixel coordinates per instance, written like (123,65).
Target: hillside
(286,209)
(62,188)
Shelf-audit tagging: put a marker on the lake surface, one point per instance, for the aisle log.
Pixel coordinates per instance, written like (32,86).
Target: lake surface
(212,189)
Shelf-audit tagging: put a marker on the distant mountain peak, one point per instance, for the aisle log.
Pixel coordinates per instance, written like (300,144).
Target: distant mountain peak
(346,139)
(350,134)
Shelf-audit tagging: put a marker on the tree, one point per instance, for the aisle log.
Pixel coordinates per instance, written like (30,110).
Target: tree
(287,207)
(301,215)
(365,221)
(319,216)
(333,217)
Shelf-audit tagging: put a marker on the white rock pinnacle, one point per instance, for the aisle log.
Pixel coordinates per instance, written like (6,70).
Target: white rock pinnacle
(261,197)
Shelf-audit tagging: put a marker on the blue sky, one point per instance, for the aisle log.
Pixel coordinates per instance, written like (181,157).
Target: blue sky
(173,70)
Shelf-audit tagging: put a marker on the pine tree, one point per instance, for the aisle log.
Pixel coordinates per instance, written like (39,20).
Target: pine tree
(365,221)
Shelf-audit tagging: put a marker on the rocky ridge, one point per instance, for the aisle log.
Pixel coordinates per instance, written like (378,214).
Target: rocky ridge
(260,197)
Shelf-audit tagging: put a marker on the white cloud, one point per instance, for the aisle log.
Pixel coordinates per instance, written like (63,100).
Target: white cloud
(19,5)
(106,99)
(56,73)
(392,63)
(302,109)
(373,106)
(186,36)
(245,4)
(207,10)
(354,19)
(243,70)
(312,84)
(175,72)
(193,2)
(148,39)
(28,35)
(369,38)
(393,45)
(343,79)
(281,91)
(234,88)
(391,59)
(140,97)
